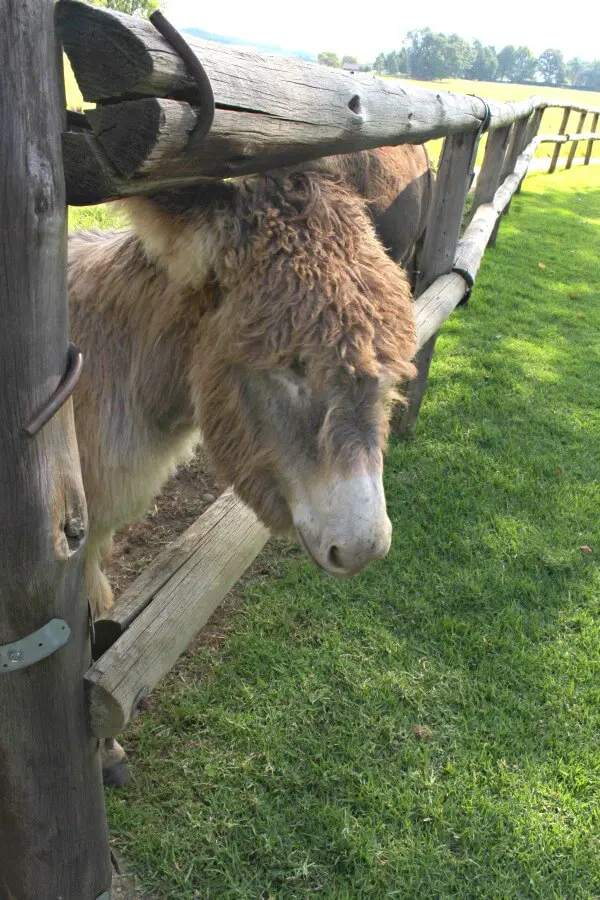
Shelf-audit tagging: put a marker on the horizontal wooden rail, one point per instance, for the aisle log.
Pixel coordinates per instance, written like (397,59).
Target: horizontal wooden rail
(171,601)
(554,104)
(565,138)
(270,111)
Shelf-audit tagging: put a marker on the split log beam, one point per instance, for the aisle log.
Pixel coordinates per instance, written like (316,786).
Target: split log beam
(140,135)
(115,56)
(271,111)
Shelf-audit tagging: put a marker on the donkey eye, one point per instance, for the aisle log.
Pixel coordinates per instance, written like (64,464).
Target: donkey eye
(298,367)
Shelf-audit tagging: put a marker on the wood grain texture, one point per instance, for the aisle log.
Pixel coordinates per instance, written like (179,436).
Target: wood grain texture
(118,56)
(138,595)
(239,143)
(90,177)
(491,169)
(53,834)
(185,587)
(518,136)
(533,127)
(139,135)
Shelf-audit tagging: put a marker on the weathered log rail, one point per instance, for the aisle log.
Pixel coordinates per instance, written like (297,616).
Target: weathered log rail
(269,112)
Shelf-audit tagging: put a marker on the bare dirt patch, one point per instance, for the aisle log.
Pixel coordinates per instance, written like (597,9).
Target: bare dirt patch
(185,496)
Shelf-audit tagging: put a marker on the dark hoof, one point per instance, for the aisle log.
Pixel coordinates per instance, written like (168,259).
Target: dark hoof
(116,775)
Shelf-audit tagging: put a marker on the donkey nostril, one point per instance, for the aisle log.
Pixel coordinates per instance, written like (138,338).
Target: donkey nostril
(334,559)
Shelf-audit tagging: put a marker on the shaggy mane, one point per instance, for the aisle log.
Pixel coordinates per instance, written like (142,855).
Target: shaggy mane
(313,283)
(302,274)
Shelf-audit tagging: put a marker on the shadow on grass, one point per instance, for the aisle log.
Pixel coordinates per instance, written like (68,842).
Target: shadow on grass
(430,728)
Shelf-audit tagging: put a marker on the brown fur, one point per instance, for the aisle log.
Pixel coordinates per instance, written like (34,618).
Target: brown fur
(202,318)
(397,183)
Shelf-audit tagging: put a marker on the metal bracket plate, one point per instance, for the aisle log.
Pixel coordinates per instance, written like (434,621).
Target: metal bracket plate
(34,647)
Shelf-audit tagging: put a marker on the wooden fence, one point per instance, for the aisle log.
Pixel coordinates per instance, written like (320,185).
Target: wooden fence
(268,112)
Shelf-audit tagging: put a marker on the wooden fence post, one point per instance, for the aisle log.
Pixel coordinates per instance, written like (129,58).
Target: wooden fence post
(437,258)
(533,127)
(593,129)
(561,130)
(53,833)
(488,180)
(517,142)
(573,149)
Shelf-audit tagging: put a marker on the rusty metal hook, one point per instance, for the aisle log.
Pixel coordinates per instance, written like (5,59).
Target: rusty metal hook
(207,97)
(61,394)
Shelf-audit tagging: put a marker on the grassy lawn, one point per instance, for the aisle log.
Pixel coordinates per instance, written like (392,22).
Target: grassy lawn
(432,727)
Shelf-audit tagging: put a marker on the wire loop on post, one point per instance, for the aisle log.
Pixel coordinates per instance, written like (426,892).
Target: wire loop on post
(61,394)
(469,281)
(207,97)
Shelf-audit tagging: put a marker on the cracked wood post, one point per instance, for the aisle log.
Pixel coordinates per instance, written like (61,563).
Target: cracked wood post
(517,144)
(573,149)
(561,130)
(593,129)
(492,167)
(437,257)
(53,832)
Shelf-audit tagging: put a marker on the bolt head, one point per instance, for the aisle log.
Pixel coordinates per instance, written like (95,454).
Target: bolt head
(15,656)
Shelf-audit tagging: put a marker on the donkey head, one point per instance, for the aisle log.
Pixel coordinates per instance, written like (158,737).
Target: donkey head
(307,328)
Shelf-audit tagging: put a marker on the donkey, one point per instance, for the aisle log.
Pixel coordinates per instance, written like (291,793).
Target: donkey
(266,315)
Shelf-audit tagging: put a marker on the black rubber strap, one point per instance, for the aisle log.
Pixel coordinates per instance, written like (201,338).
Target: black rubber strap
(469,280)
(483,127)
(487,116)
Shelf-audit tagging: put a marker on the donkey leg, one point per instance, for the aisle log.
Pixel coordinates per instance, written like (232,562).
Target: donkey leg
(98,589)
(114,768)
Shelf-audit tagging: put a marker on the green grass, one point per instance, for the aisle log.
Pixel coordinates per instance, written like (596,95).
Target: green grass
(431,728)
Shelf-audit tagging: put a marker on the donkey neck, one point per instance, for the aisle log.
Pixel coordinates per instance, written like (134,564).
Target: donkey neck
(140,328)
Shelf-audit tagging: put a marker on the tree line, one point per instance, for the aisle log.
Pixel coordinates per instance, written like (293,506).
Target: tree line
(431,55)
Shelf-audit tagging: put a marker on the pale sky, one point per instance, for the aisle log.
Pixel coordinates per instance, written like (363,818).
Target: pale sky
(315,25)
